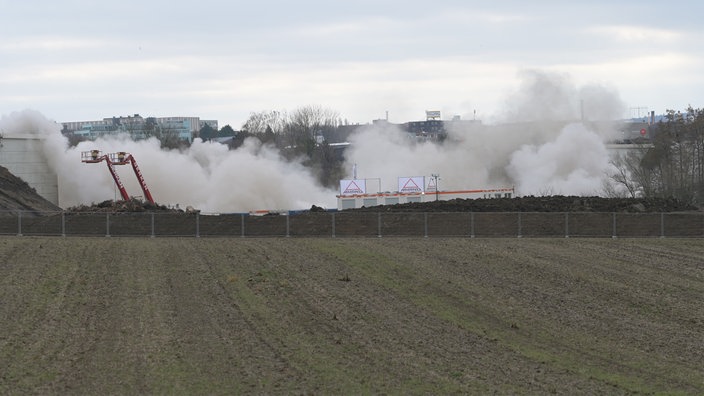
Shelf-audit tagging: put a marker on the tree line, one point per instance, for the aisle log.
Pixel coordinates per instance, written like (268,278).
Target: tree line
(671,164)
(302,134)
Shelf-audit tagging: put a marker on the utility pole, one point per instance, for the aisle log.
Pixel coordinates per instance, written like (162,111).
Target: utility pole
(435,176)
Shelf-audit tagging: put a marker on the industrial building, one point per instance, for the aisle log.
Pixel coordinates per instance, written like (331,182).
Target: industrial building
(395,197)
(354,193)
(22,155)
(138,127)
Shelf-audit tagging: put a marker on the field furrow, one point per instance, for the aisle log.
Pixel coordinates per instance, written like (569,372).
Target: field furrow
(359,316)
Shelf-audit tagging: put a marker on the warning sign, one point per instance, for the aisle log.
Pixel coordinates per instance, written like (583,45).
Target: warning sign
(353,187)
(411,184)
(432,186)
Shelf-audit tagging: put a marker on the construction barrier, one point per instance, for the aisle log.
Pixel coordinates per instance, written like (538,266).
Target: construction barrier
(356,224)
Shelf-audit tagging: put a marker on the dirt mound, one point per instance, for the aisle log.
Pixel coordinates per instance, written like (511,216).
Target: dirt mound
(17,195)
(132,205)
(557,203)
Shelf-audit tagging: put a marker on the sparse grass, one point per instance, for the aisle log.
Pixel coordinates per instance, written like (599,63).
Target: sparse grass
(331,316)
(564,349)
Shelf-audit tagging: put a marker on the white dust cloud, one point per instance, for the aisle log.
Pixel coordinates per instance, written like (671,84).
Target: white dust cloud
(575,163)
(206,176)
(549,140)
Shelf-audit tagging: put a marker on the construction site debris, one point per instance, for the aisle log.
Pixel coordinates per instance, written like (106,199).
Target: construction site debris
(131,205)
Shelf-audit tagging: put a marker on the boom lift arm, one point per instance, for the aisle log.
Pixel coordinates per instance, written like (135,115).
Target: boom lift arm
(122,158)
(119,158)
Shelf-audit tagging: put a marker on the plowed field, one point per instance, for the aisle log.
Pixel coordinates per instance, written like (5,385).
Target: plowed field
(351,316)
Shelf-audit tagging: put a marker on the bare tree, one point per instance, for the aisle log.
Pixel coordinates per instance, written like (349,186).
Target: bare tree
(674,165)
(166,133)
(301,135)
(696,142)
(258,123)
(169,137)
(631,173)
(306,123)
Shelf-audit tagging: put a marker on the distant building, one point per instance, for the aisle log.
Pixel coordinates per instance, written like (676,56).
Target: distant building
(436,129)
(426,130)
(138,127)
(211,123)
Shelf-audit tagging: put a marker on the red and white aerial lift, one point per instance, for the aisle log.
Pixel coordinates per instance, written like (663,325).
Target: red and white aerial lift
(119,158)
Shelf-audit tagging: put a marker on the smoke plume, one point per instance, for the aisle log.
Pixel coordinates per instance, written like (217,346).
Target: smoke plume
(206,176)
(548,140)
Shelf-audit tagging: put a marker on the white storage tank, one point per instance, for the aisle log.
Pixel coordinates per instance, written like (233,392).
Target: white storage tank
(22,155)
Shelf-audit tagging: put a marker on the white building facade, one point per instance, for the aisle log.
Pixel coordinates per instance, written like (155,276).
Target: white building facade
(22,155)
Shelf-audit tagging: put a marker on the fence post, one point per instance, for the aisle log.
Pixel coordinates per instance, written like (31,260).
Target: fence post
(519,226)
(288,234)
(425,223)
(197,225)
(567,224)
(613,233)
(63,224)
(107,225)
(333,224)
(19,223)
(153,231)
(471,224)
(662,225)
(379,223)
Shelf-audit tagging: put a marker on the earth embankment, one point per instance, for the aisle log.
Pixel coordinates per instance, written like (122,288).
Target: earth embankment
(17,195)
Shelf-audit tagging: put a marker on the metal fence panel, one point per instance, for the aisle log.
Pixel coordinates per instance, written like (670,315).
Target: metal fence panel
(357,224)
(496,224)
(449,224)
(265,226)
(589,225)
(37,224)
(221,225)
(8,224)
(175,224)
(402,224)
(86,224)
(129,224)
(683,224)
(542,224)
(638,225)
(311,224)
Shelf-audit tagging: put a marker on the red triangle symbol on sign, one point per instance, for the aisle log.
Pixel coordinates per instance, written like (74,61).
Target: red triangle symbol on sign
(353,188)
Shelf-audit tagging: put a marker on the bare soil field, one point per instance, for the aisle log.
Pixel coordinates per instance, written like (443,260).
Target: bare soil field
(351,316)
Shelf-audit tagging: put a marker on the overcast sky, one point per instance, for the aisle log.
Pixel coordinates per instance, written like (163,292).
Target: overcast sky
(82,60)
